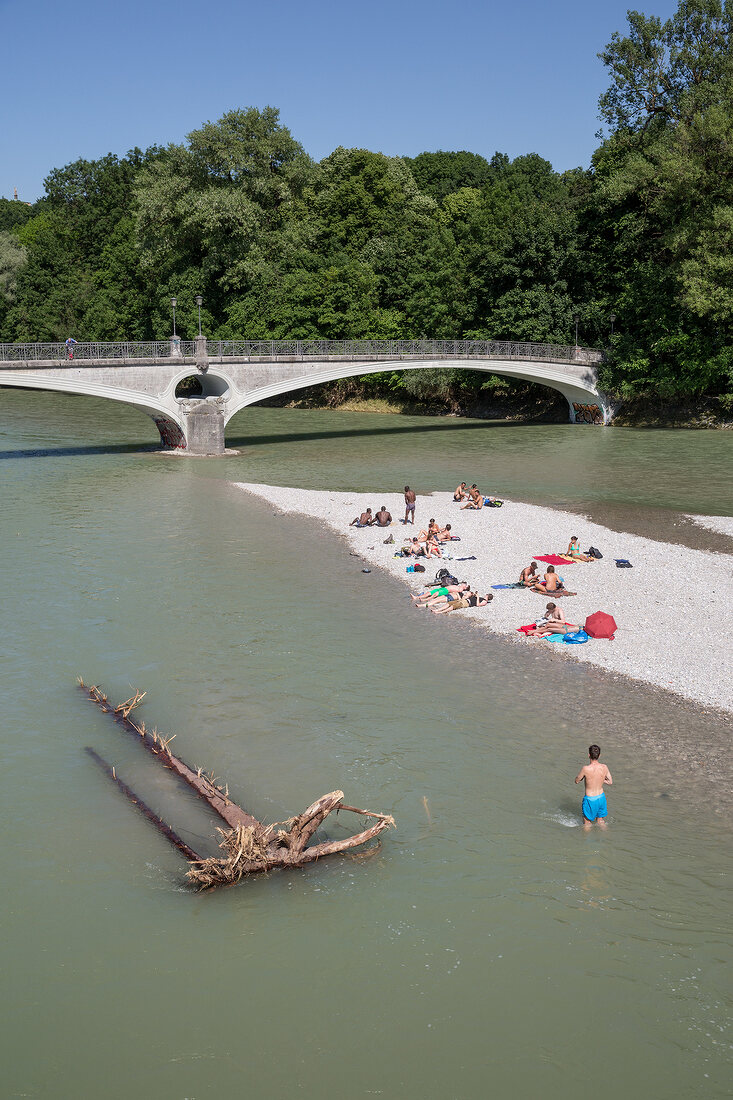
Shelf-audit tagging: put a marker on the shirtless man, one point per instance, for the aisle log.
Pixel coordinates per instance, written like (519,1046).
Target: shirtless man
(461,493)
(475,500)
(445,535)
(528,576)
(594,774)
(441,594)
(415,548)
(383,517)
(468,599)
(410,499)
(551,584)
(366,519)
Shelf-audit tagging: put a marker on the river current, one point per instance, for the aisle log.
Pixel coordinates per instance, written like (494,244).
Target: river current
(490,947)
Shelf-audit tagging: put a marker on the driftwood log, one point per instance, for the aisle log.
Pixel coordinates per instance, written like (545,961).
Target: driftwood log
(248,845)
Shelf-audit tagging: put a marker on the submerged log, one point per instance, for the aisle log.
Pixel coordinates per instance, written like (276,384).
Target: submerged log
(249,845)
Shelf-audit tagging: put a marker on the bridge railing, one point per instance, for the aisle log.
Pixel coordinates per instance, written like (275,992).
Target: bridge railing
(117,349)
(303,349)
(439,349)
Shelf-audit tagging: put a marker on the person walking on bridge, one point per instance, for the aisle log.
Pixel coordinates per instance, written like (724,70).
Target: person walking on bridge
(69,344)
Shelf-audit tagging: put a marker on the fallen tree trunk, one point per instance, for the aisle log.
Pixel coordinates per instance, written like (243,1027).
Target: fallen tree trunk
(249,845)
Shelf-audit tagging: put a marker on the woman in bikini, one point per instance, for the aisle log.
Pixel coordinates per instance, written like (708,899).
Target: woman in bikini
(574,551)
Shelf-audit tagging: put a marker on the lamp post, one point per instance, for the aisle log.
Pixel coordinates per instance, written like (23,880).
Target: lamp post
(199,302)
(576,318)
(173,304)
(612,319)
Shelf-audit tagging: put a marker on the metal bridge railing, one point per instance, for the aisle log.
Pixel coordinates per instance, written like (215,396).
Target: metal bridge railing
(305,349)
(117,349)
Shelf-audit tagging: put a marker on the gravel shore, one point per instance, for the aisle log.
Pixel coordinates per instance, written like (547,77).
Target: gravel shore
(673,608)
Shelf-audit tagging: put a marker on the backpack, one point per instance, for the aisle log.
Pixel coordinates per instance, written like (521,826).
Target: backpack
(444,578)
(622,563)
(594,553)
(417,568)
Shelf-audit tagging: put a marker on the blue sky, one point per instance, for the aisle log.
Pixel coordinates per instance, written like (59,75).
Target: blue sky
(82,78)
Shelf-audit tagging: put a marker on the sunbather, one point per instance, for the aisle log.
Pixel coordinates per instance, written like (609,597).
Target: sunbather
(366,519)
(445,534)
(383,518)
(475,500)
(414,548)
(469,599)
(529,576)
(551,584)
(552,622)
(461,493)
(574,551)
(441,594)
(432,531)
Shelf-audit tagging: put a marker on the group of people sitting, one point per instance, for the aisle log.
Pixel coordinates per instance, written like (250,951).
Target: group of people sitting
(383,518)
(551,582)
(473,497)
(442,598)
(429,543)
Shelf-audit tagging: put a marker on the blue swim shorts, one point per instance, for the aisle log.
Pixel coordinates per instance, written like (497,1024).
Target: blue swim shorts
(594,807)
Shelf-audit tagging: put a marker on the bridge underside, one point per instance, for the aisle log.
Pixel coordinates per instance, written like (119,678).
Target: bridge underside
(228,384)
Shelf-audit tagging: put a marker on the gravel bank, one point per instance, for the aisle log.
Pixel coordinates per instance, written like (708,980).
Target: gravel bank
(673,608)
(723,525)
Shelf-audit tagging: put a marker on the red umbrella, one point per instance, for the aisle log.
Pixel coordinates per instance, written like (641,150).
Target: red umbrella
(600,625)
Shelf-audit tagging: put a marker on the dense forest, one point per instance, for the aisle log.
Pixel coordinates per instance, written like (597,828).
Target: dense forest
(442,245)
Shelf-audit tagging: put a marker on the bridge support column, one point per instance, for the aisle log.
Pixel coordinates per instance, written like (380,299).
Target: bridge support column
(204,427)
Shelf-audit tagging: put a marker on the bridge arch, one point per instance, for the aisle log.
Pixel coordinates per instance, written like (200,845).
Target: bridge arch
(579,391)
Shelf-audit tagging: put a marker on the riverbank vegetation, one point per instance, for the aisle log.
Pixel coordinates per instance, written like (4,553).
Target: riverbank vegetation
(446,245)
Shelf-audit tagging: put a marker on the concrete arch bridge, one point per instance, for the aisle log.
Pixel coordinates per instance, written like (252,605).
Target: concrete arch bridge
(237,373)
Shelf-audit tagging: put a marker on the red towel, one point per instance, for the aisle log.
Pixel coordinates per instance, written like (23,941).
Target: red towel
(525,629)
(553,559)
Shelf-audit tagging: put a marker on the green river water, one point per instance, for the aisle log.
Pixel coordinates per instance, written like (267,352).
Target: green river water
(490,947)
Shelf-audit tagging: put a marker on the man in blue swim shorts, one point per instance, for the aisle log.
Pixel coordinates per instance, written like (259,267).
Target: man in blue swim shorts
(594,775)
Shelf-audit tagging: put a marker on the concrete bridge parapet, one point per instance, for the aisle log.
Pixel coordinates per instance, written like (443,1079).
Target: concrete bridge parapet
(235,374)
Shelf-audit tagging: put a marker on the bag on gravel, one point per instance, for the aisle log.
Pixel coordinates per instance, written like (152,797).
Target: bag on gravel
(593,552)
(419,568)
(576,637)
(443,578)
(622,563)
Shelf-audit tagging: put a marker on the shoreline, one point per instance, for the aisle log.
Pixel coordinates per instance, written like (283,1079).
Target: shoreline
(674,640)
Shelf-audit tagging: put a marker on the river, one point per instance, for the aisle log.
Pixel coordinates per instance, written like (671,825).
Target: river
(490,947)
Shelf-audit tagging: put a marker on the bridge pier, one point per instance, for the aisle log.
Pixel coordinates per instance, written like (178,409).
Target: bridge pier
(204,426)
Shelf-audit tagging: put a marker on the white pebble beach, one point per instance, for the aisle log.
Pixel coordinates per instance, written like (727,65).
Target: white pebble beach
(673,608)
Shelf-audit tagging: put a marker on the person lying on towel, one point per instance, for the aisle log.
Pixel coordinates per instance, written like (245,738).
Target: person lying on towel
(552,622)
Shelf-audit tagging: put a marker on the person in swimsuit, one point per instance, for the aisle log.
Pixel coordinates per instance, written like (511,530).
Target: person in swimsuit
(552,622)
(470,599)
(366,519)
(410,499)
(594,775)
(441,594)
(528,576)
(475,500)
(383,517)
(431,533)
(551,585)
(445,535)
(461,493)
(574,551)
(413,547)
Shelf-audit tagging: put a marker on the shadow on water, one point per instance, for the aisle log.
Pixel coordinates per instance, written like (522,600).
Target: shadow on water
(81,449)
(391,430)
(261,440)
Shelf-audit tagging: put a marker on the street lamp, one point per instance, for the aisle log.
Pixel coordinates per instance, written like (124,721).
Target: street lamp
(576,318)
(199,302)
(173,303)
(613,321)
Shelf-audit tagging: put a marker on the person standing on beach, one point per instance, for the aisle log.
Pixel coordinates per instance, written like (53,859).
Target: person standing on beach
(594,775)
(410,499)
